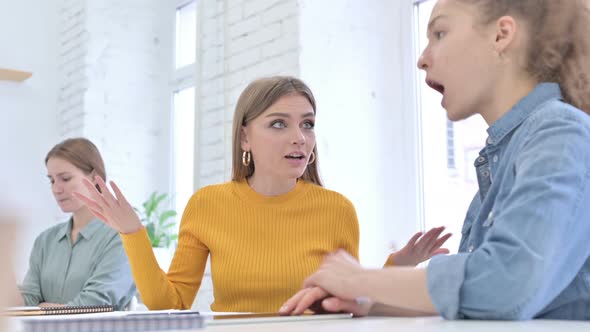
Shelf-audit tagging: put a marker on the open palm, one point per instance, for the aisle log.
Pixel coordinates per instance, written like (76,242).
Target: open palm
(115,211)
(421,247)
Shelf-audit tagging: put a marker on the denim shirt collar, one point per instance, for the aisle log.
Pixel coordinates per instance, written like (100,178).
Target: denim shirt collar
(522,110)
(85,232)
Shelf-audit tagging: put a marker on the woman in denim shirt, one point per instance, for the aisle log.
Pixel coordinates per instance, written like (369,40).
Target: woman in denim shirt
(522,65)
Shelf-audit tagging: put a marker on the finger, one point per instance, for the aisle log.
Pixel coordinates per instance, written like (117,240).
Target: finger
(120,197)
(345,257)
(427,240)
(334,304)
(435,232)
(318,278)
(311,280)
(310,297)
(442,240)
(94,193)
(101,217)
(106,193)
(287,307)
(414,238)
(331,257)
(438,243)
(87,201)
(440,251)
(97,195)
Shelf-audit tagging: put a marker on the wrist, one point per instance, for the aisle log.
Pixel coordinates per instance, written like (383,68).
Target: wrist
(133,230)
(359,284)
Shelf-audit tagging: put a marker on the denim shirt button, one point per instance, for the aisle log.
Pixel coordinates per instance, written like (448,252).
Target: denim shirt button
(495,159)
(481,159)
(490,140)
(485,173)
(471,247)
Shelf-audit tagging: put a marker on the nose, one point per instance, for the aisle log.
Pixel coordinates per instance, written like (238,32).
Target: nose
(56,188)
(298,137)
(423,61)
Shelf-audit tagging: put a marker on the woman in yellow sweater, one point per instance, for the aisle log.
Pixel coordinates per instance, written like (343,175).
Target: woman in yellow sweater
(265,230)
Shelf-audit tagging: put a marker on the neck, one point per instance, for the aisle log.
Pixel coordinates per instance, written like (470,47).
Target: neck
(81,217)
(508,93)
(269,186)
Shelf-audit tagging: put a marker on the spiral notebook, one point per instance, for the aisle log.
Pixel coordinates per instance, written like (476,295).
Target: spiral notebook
(115,321)
(67,310)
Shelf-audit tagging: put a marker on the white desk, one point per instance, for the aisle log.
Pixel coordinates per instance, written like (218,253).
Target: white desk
(378,324)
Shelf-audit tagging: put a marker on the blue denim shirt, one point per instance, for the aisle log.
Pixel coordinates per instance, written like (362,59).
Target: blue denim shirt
(525,243)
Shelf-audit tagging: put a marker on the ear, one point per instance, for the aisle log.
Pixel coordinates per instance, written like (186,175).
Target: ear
(506,29)
(244,139)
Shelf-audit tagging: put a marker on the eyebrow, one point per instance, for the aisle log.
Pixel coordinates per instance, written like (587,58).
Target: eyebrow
(59,174)
(286,115)
(431,23)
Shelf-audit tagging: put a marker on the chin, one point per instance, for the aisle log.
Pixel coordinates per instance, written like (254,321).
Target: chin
(457,115)
(295,175)
(69,208)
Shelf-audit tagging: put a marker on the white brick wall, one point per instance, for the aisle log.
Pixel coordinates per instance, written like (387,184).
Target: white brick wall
(246,40)
(113,86)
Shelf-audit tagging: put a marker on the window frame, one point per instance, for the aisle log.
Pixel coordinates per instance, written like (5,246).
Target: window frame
(182,78)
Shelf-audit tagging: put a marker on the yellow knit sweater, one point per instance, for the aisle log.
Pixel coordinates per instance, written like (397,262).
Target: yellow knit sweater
(262,248)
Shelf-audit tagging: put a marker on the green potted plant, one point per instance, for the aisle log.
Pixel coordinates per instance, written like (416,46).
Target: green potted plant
(160,224)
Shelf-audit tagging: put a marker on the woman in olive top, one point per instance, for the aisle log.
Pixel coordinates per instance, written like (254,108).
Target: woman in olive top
(80,261)
(265,230)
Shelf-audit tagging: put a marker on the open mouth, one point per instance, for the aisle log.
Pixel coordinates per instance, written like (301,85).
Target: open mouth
(436,86)
(295,155)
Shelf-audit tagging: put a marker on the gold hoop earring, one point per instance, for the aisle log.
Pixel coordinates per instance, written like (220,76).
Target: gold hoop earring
(311,158)
(246,158)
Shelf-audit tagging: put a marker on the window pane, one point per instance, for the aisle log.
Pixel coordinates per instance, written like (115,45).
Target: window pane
(186,34)
(448,152)
(183,132)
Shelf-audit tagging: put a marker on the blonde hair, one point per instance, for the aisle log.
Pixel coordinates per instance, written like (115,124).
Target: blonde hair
(254,100)
(558,47)
(81,153)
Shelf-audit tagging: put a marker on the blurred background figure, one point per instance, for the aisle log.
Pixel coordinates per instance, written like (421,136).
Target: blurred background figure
(8,222)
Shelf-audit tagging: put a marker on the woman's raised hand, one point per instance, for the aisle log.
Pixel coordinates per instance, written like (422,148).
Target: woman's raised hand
(421,247)
(115,211)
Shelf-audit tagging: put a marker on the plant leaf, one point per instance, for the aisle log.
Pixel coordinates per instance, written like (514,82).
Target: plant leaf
(151,233)
(167,215)
(159,199)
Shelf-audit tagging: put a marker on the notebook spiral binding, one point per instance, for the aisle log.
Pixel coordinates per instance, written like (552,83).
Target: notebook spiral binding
(76,310)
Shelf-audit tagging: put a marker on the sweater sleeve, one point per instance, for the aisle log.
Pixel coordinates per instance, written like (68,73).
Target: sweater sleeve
(389,262)
(176,289)
(351,233)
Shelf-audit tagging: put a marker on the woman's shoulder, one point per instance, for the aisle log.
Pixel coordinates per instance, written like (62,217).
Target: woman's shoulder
(331,196)
(54,230)
(557,113)
(557,128)
(52,233)
(214,191)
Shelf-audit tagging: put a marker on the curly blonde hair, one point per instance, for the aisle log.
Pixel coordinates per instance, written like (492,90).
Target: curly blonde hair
(558,47)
